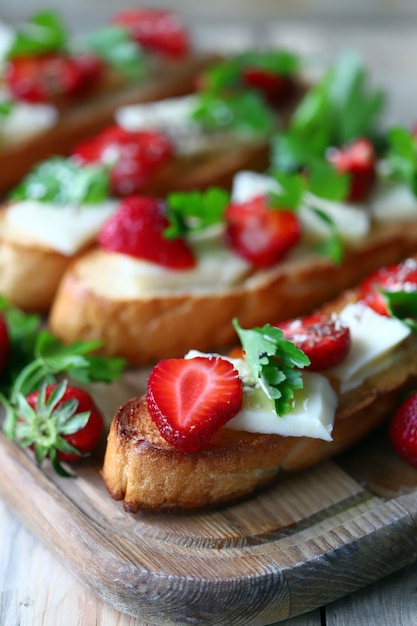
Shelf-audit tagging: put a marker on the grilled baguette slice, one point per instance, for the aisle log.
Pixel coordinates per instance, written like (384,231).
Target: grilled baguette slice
(144,471)
(156,325)
(85,117)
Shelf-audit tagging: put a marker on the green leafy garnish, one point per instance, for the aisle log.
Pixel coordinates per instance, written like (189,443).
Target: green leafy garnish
(402,305)
(195,210)
(43,33)
(401,157)
(228,73)
(274,362)
(62,181)
(114,45)
(246,113)
(6,107)
(332,247)
(338,109)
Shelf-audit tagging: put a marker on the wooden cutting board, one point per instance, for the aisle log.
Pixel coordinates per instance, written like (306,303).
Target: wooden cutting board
(307,541)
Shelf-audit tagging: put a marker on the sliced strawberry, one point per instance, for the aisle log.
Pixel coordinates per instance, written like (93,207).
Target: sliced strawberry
(190,399)
(260,234)
(324,339)
(399,277)
(156,30)
(403,430)
(357,159)
(137,229)
(135,156)
(47,77)
(277,88)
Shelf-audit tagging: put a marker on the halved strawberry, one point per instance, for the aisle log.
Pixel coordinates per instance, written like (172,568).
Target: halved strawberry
(325,339)
(134,156)
(156,30)
(190,399)
(399,277)
(50,76)
(357,159)
(137,229)
(260,234)
(403,430)
(276,88)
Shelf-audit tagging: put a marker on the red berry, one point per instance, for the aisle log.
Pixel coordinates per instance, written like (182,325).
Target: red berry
(135,155)
(260,234)
(403,430)
(50,76)
(357,159)
(399,277)
(156,30)
(4,344)
(85,439)
(325,339)
(190,399)
(276,88)
(137,229)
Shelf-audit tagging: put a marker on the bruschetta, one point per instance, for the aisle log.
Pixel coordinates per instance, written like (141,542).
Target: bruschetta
(211,429)
(57,89)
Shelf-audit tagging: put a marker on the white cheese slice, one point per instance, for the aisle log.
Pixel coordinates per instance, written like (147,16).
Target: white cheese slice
(248,185)
(312,414)
(373,338)
(65,229)
(352,221)
(7,35)
(26,120)
(217,267)
(393,202)
(172,116)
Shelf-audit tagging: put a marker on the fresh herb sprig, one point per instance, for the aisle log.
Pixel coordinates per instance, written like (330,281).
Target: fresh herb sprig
(44,32)
(191,211)
(115,46)
(274,362)
(401,157)
(62,181)
(338,109)
(228,73)
(402,305)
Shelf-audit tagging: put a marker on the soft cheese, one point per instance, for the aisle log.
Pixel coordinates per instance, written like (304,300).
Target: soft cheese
(65,229)
(26,120)
(373,338)
(393,201)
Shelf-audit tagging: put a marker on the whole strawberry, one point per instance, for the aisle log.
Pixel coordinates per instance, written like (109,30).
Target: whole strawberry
(59,422)
(403,430)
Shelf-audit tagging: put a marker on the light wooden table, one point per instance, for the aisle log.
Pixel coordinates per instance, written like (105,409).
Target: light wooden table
(37,590)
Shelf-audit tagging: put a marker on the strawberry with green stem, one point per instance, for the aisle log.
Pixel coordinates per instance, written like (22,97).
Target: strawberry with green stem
(43,411)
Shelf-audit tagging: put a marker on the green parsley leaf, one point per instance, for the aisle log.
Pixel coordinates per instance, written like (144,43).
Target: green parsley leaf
(43,33)
(342,106)
(401,157)
(246,113)
(114,45)
(229,73)
(332,247)
(274,362)
(291,191)
(62,181)
(195,210)
(325,181)
(403,306)
(6,107)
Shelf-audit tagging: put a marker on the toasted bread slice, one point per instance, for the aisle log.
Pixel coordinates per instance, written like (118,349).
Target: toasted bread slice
(86,116)
(144,471)
(144,328)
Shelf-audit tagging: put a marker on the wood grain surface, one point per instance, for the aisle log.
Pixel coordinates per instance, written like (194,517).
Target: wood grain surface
(311,539)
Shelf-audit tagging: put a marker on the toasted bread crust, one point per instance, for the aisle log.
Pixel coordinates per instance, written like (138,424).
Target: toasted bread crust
(144,471)
(146,329)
